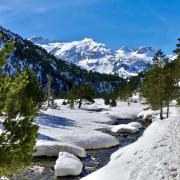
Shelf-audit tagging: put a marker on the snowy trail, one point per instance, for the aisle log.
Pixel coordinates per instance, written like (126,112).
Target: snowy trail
(155,156)
(164,161)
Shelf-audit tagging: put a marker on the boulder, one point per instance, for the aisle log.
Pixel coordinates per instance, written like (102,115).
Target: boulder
(67,165)
(124,128)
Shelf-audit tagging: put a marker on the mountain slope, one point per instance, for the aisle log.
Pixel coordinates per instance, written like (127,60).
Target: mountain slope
(94,56)
(63,75)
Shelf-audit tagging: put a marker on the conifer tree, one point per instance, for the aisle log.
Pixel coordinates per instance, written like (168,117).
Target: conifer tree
(49,90)
(20,98)
(82,92)
(106,99)
(171,88)
(113,102)
(154,83)
(176,69)
(125,92)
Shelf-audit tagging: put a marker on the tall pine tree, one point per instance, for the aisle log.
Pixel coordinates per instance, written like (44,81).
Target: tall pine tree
(154,83)
(176,68)
(20,99)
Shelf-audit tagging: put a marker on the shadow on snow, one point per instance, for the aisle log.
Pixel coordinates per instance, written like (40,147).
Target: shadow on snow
(55,121)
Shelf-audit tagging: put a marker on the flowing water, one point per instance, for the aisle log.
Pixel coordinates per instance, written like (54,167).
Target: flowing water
(42,167)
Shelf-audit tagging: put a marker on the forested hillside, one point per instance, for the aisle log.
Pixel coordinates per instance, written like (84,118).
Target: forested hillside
(63,75)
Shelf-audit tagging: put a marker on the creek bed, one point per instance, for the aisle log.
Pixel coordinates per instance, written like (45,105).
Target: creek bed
(94,160)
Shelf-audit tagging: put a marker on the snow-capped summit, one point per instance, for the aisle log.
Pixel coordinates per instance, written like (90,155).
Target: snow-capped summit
(88,40)
(125,49)
(148,50)
(95,56)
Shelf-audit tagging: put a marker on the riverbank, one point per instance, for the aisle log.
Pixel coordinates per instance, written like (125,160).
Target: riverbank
(87,129)
(155,156)
(94,160)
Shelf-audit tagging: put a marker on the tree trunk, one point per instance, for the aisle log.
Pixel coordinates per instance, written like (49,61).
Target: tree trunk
(167,115)
(80,103)
(161,113)
(49,89)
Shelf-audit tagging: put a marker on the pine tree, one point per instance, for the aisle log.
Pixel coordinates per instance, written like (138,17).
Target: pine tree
(20,98)
(176,70)
(171,88)
(113,102)
(125,92)
(82,92)
(106,99)
(49,90)
(154,83)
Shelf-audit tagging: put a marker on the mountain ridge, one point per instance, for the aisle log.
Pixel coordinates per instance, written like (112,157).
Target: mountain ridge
(94,56)
(64,75)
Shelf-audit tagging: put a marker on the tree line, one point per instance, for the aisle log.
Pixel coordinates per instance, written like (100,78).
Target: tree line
(159,86)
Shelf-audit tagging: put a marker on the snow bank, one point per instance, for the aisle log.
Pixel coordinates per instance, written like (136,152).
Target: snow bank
(147,113)
(92,140)
(124,128)
(79,127)
(52,148)
(67,164)
(155,156)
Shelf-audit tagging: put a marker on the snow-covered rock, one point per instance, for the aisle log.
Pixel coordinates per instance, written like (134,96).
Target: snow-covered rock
(92,140)
(95,56)
(136,124)
(67,164)
(37,169)
(124,128)
(52,148)
(146,114)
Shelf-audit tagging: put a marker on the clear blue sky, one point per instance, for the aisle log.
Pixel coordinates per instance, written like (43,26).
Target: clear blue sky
(113,22)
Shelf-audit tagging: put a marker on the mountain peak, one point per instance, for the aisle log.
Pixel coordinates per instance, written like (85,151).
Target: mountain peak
(86,39)
(125,49)
(96,56)
(39,40)
(148,50)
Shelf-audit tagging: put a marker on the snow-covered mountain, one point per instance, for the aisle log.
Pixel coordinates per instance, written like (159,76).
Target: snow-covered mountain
(95,56)
(63,74)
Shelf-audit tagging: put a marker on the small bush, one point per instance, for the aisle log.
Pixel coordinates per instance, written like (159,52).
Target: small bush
(64,103)
(113,102)
(106,100)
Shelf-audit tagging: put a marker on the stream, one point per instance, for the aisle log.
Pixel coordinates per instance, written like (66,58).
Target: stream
(42,167)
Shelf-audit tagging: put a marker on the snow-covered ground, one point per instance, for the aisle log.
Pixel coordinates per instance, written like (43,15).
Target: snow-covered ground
(155,156)
(79,127)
